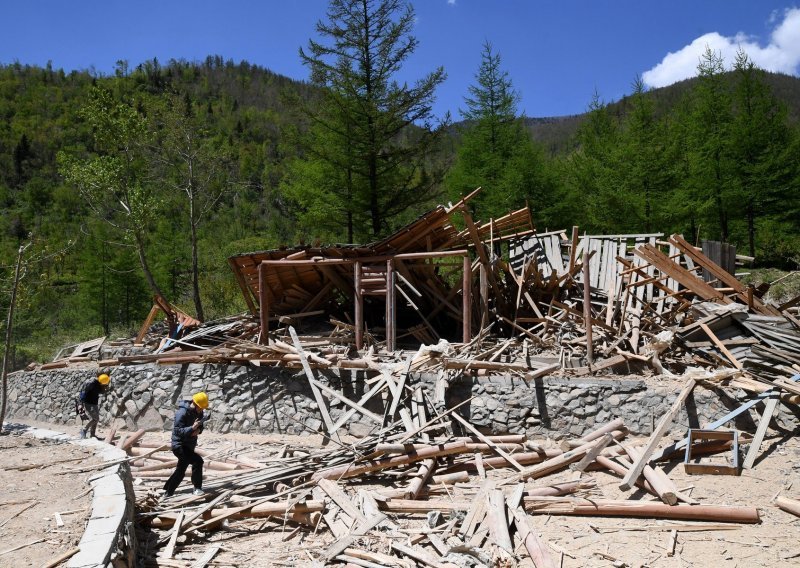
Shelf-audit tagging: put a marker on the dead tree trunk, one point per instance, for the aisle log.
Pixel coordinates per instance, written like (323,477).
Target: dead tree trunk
(9,330)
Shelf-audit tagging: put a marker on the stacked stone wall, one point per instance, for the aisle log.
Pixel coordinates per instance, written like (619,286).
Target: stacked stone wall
(261,400)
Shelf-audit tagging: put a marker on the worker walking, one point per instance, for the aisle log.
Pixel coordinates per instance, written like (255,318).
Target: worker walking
(188,424)
(89,398)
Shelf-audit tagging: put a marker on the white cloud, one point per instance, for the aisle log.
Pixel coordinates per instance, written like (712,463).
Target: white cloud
(782,54)
(451,2)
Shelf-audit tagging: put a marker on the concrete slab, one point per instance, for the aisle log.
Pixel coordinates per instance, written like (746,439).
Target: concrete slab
(92,554)
(105,506)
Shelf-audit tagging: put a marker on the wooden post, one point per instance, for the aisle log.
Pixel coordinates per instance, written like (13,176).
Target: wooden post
(359,307)
(466,292)
(484,287)
(390,307)
(263,304)
(573,249)
(587,309)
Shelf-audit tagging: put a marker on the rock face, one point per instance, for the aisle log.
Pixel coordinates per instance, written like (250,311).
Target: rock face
(259,400)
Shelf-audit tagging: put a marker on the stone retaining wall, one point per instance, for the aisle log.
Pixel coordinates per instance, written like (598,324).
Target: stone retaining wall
(259,400)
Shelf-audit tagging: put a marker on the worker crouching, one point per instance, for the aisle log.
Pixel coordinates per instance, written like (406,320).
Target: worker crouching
(188,424)
(89,403)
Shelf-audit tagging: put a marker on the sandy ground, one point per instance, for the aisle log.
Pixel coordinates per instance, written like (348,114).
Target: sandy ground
(34,485)
(573,541)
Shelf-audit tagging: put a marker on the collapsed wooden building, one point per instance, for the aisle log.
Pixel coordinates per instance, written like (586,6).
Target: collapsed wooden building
(450,296)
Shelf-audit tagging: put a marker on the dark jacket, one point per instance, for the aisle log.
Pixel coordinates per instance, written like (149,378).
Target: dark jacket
(90,391)
(182,428)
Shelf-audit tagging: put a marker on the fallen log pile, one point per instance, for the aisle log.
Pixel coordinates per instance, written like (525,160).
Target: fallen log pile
(422,502)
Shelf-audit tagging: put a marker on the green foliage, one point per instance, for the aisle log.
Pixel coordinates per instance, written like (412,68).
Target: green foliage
(372,133)
(496,152)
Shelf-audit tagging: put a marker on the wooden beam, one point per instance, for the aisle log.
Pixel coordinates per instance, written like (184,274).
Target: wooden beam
(658,433)
(323,409)
(263,303)
(763,424)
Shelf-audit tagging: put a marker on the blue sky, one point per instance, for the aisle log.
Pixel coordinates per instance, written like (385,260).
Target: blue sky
(557,53)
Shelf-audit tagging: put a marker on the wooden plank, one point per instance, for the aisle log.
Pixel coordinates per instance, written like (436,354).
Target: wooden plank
(323,409)
(498,522)
(721,346)
(658,433)
(169,551)
(486,440)
(206,558)
(339,546)
(535,547)
(755,445)
(332,489)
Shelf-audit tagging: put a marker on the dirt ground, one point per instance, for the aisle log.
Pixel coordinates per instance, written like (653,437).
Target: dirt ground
(34,485)
(573,541)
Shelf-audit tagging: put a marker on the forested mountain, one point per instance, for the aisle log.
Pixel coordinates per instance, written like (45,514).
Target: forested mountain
(557,133)
(640,164)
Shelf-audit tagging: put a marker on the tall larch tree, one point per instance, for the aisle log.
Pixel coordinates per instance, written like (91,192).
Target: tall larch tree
(759,143)
(375,133)
(496,151)
(709,141)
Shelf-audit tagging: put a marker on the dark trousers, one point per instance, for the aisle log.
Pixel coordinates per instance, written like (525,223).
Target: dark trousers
(186,457)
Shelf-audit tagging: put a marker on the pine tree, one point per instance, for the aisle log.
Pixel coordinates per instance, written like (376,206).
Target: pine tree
(709,140)
(760,139)
(378,132)
(496,151)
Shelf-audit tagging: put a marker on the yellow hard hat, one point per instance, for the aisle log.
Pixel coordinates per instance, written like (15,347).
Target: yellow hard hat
(200,399)
(104,379)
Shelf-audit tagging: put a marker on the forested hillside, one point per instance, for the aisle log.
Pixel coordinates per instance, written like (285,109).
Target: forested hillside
(222,154)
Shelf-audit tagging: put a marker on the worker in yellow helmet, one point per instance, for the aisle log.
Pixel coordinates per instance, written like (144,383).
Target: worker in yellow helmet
(89,403)
(188,424)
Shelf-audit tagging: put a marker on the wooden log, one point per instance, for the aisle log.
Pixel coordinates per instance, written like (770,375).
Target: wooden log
(110,435)
(611,508)
(486,440)
(354,469)
(592,454)
(132,439)
(498,522)
(536,549)
(616,424)
(658,433)
(426,469)
(663,488)
(452,478)
(558,462)
(587,309)
(789,505)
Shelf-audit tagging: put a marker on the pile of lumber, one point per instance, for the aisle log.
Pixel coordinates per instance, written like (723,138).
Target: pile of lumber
(412,497)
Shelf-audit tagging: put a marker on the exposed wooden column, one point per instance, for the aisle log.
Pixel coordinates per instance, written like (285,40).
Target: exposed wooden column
(359,305)
(263,304)
(391,329)
(466,292)
(587,309)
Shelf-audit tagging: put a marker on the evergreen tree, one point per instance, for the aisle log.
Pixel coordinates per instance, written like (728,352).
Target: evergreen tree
(496,152)
(589,172)
(643,167)
(379,132)
(759,143)
(709,141)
